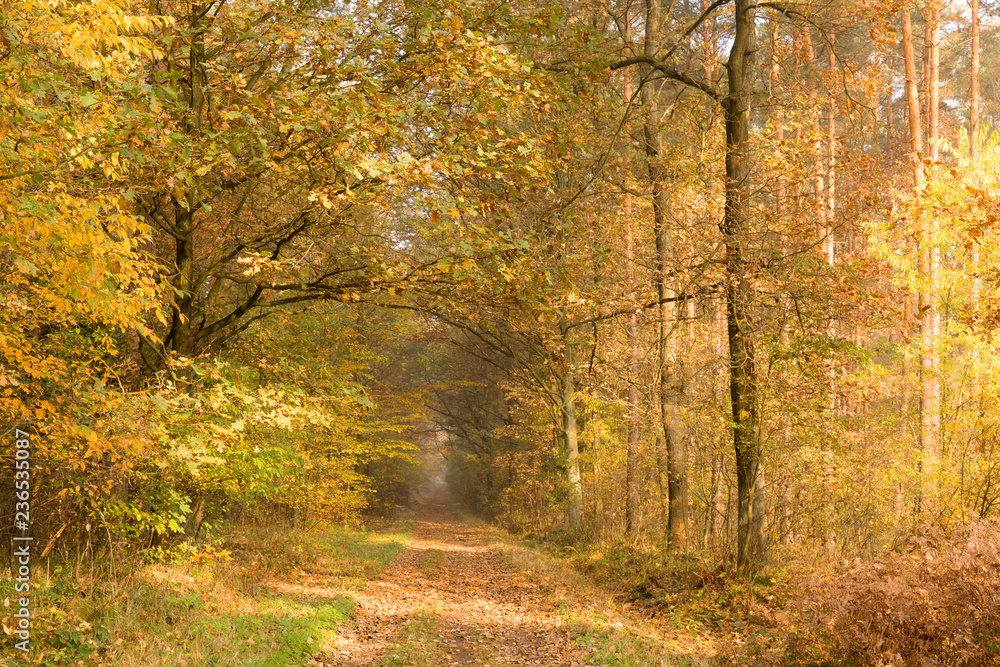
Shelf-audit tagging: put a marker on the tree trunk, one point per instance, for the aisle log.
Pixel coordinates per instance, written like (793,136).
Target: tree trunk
(570,436)
(181,338)
(933,82)
(912,100)
(930,368)
(751,548)
(632,447)
(925,75)
(888,118)
(930,414)
(829,251)
(632,451)
(974,260)
(717,501)
(597,490)
(675,446)
(779,123)
(831,157)
(974,80)
(819,188)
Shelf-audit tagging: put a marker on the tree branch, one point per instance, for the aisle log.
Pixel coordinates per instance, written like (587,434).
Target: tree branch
(668,72)
(694,26)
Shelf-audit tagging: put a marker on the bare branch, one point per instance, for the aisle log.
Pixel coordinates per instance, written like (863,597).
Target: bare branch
(670,73)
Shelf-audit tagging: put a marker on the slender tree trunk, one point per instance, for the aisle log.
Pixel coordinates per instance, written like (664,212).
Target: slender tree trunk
(933,82)
(598,486)
(570,436)
(819,188)
(831,157)
(925,76)
(675,446)
(659,473)
(751,548)
(632,446)
(632,450)
(974,260)
(779,124)
(717,500)
(930,414)
(932,446)
(829,251)
(797,191)
(888,118)
(974,80)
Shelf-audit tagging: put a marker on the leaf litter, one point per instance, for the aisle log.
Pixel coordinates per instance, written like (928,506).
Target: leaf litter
(450,598)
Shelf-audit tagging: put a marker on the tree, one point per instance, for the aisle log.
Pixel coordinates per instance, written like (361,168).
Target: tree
(262,201)
(930,398)
(666,310)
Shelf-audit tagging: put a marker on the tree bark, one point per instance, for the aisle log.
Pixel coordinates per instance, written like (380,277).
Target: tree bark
(930,361)
(632,449)
(974,80)
(819,187)
(933,82)
(779,122)
(831,157)
(930,414)
(675,446)
(632,446)
(751,548)
(570,436)
(974,260)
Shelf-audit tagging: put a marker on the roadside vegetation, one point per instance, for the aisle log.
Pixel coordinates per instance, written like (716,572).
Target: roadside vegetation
(254,597)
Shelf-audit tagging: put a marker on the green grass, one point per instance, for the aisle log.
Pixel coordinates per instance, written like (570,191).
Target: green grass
(417,644)
(353,557)
(431,561)
(617,645)
(275,599)
(608,637)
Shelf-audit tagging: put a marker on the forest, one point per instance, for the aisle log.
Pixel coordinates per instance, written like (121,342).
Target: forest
(694,300)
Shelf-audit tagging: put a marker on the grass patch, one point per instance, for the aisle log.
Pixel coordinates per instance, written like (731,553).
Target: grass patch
(263,599)
(617,644)
(608,637)
(417,644)
(353,557)
(431,561)
(420,643)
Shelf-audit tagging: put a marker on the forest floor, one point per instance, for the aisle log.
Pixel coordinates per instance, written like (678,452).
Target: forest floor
(456,595)
(431,589)
(435,589)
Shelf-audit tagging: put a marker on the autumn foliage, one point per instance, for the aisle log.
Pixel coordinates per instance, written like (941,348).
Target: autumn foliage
(714,279)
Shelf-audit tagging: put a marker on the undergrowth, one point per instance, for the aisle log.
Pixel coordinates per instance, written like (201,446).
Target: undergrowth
(936,603)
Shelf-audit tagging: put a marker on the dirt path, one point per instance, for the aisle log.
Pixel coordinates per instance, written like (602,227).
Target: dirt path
(484,611)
